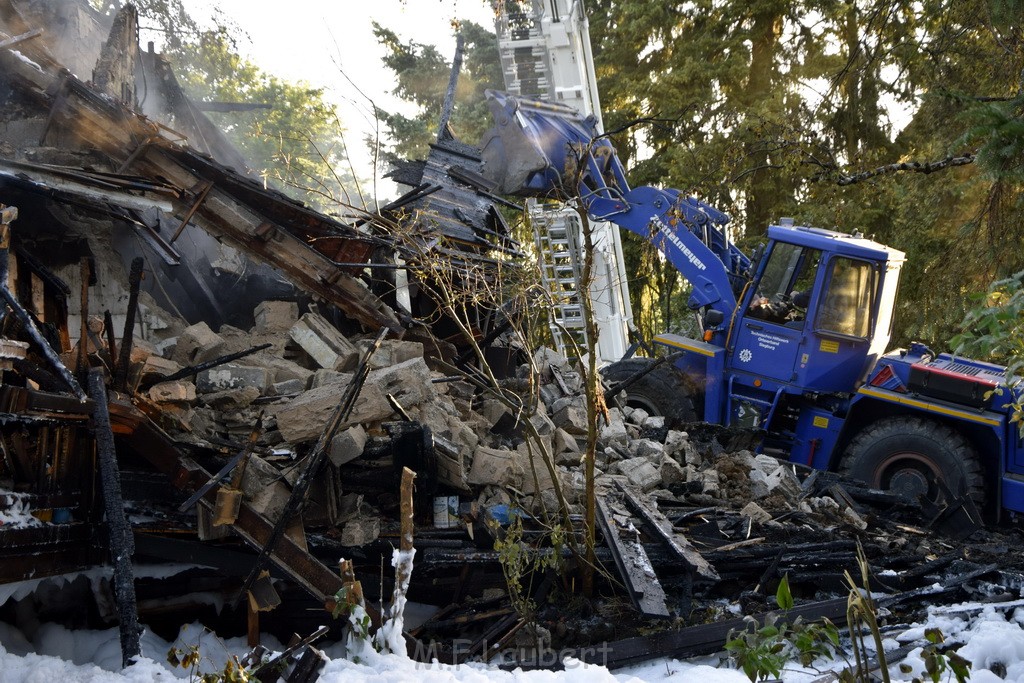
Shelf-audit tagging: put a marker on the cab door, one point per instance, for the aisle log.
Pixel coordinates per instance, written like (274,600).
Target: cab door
(770,337)
(836,356)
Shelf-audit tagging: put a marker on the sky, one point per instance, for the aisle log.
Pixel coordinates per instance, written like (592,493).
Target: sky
(330,43)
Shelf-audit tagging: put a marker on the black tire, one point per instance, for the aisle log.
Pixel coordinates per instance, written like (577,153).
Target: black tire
(906,455)
(663,391)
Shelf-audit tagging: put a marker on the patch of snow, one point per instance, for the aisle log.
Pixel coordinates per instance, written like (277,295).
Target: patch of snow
(18,511)
(390,636)
(28,61)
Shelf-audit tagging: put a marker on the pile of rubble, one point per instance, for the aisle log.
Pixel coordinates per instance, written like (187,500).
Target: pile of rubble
(236,423)
(287,373)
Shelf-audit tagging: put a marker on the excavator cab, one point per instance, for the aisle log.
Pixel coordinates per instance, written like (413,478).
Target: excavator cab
(818,312)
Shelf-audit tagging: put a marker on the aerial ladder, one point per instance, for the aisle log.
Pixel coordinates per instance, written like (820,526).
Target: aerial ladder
(545,53)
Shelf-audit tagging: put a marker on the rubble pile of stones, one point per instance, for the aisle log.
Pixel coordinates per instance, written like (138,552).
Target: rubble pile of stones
(485,450)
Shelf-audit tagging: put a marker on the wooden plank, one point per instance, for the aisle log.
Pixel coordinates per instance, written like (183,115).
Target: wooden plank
(663,529)
(10,41)
(634,566)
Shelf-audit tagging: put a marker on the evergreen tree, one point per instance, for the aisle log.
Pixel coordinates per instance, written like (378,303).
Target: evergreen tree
(422,75)
(776,107)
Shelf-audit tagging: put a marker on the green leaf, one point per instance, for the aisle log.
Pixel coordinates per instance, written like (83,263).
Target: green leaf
(783,596)
(961,667)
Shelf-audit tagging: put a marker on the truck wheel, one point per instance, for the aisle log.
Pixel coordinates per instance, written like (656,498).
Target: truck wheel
(663,391)
(906,455)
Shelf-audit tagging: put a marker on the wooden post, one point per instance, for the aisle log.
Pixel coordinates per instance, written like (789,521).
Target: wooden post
(253,633)
(405,543)
(353,588)
(83,337)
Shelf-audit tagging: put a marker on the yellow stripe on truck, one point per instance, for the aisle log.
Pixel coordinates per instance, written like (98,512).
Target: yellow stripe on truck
(681,345)
(893,397)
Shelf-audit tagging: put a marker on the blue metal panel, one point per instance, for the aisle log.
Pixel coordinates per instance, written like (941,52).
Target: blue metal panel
(831,363)
(704,364)
(1015,443)
(817,432)
(987,418)
(1013,494)
(766,349)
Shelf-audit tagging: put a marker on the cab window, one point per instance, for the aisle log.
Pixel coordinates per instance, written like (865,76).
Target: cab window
(846,307)
(784,291)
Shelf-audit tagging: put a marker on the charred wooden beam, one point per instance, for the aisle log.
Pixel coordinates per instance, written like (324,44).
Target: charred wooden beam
(221,360)
(635,567)
(662,528)
(124,361)
(122,543)
(108,327)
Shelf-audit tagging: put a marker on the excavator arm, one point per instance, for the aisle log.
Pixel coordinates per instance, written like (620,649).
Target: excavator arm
(539,149)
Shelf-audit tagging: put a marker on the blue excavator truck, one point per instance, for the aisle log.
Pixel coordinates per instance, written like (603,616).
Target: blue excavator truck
(794,339)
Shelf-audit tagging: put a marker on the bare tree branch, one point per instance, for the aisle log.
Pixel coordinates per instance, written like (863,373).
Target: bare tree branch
(915,166)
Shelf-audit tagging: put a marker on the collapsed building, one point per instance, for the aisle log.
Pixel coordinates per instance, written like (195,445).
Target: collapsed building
(204,375)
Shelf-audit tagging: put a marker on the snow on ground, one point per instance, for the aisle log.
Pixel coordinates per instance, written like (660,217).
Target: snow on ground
(993,641)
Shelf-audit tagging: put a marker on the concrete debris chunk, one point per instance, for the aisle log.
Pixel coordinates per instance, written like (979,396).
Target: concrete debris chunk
(542,423)
(157,367)
(646,448)
(232,376)
(321,378)
(572,418)
(638,415)
(347,445)
(759,487)
(672,473)
(655,422)
(756,513)
(197,344)
(288,387)
(281,369)
(408,381)
(275,316)
(323,342)
(361,530)
(853,519)
(391,352)
(173,392)
(784,481)
(615,431)
(641,473)
(565,443)
(231,398)
(549,393)
(536,476)
(547,359)
(271,499)
(493,411)
(492,466)
(304,417)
